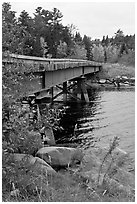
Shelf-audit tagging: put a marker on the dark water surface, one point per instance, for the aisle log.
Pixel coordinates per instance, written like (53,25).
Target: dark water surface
(111,113)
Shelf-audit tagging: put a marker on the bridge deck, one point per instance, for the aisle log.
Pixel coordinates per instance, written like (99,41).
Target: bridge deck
(46,64)
(49,72)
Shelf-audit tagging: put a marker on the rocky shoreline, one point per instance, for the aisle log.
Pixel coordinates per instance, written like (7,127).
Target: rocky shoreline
(81,167)
(117,82)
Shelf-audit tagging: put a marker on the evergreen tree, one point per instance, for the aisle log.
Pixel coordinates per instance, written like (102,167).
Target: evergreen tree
(107,41)
(10,30)
(88,47)
(26,22)
(119,38)
(103,41)
(78,38)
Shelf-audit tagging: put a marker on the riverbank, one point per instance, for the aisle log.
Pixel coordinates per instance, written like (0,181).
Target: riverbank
(98,178)
(113,76)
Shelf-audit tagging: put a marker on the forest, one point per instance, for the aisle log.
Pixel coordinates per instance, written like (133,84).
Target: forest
(44,35)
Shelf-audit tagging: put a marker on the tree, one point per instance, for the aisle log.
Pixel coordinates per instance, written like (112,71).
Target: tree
(56,16)
(25,21)
(112,53)
(47,24)
(103,41)
(15,35)
(107,40)
(98,53)
(78,38)
(119,33)
(88,47)
(10,30)
(23,35)
(78,52)
(7,14)
(119,38)
(62,50)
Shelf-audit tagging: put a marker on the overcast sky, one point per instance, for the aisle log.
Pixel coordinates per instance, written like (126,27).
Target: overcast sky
(90,18)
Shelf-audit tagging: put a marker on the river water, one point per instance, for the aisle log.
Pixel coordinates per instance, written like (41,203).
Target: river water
(110,113)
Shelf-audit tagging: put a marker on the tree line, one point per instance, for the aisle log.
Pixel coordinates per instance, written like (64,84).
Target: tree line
(44,35)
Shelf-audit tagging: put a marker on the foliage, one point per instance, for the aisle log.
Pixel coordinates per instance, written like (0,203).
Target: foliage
(13,34)
(113,145)
(62,50)
(110,49)
(98,53)
(88,47)
(78,52)
(112,53)
(128,59)
(78,38)
(23,35)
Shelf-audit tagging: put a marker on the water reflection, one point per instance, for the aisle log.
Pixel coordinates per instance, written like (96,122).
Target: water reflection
(111,113)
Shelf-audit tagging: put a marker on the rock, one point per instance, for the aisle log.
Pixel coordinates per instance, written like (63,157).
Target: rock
(15,193)
(33,174)
(43,166)
(102,81)
(60,156)
(33,163)
(25,158)
(48,135)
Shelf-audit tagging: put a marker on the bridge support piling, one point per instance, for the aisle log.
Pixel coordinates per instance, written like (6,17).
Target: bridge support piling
(65,91)
(52,93)
(84,90)
(78,92)
(81,89)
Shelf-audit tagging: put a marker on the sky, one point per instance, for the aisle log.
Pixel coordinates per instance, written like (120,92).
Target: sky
(94,19)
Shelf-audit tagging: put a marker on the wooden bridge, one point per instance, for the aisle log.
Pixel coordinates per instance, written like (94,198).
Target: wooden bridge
(48,73)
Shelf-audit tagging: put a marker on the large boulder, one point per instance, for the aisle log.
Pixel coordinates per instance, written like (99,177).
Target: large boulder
(33,163)
(31,175)
(60,156)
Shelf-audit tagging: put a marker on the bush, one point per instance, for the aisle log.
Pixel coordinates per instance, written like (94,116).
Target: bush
(128,59)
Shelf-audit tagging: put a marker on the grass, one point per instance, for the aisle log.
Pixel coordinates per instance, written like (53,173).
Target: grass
(80,183)
(112,70)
